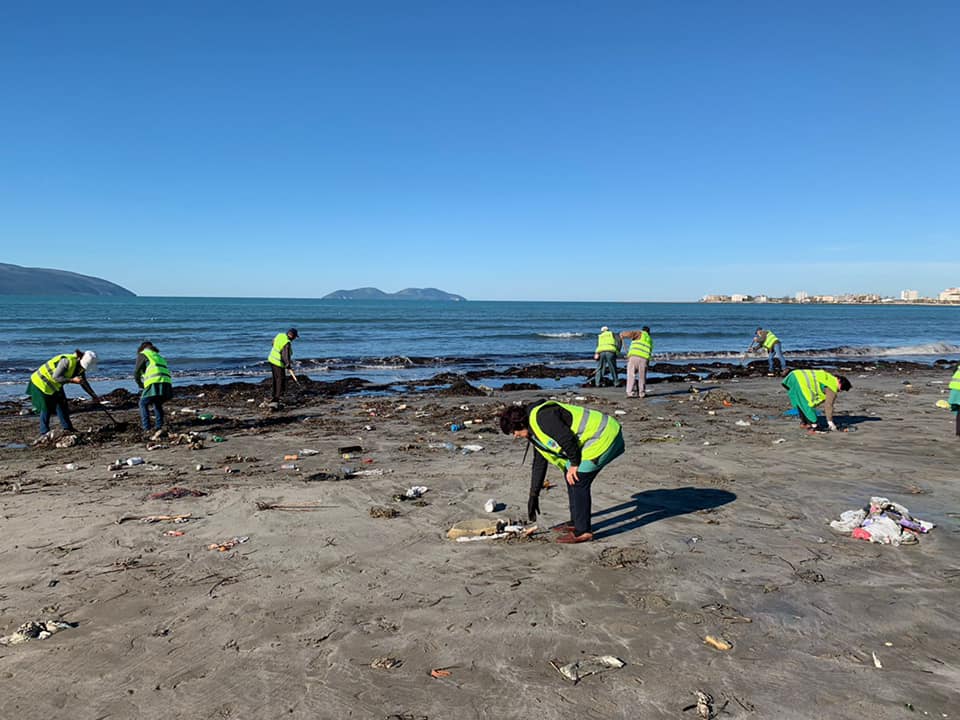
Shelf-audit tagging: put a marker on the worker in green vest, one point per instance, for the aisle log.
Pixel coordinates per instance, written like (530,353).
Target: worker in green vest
(579,441)
(608,345)
(46,386)
(809,389)
(153,377)
(281,362)
(641,349)
(954,398)
(771,343)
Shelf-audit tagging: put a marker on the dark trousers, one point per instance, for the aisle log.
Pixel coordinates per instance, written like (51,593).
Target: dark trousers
(156,402)
(606,365)
(279,381)
(58,404)
(580,502)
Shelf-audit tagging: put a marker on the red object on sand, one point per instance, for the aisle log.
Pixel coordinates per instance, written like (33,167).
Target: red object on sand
(860,534)
(570,538)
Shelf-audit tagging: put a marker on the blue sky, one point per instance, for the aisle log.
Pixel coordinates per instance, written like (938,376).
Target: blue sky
(500,150)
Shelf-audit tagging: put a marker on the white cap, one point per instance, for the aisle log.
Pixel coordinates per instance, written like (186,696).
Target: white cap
(604,328)
(89,361)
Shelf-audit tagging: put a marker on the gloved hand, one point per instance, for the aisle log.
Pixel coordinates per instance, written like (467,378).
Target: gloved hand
(832,425)
(533,507)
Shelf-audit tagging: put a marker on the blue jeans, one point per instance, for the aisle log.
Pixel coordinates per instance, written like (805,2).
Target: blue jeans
(59,402)
(778,351)
(43,405)
(157,403)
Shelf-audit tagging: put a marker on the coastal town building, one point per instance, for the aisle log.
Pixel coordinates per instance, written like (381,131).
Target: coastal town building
(950,295)
(802,296)
(909,295)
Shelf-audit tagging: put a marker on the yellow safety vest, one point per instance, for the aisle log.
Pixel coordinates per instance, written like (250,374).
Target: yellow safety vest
(157,370)
(606,342)
(595,432)
(812,383)
(43,377)
(770,340)
(641,346)
(279,343)
(955,380)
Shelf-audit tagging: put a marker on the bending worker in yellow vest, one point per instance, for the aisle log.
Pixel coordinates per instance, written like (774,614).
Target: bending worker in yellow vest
(641,348)
(281,361)
(579,441)
(954,398)
(771,343)
(46,386)
(153,377)
(608,345)
(809,388)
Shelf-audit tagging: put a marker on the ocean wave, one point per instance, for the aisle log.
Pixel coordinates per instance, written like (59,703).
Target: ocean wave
(560,335)
(865,351)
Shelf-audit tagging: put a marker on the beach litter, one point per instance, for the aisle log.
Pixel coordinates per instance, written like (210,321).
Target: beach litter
(718,643)
(942,404)
(882,521)
(301,507)
(36,630)
(743,423)
(307,451)
(491,505)
(876,661)
(386,663)
(441,672)
(506,531)
(578,669)
(174,533)
(185,517)
(467,449)
(174,493)
(704,705)
(229,544)
(377,511)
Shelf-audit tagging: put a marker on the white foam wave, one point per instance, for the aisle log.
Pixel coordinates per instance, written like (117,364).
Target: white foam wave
(560,335)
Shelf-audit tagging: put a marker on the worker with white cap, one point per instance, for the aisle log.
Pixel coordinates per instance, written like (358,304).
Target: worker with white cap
(608,345)
(46,385)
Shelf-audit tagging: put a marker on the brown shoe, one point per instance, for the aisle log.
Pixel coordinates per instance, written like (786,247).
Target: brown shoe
(564,527)
(571,538)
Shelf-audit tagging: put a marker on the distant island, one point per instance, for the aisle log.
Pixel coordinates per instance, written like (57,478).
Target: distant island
(370,293)
(17,280)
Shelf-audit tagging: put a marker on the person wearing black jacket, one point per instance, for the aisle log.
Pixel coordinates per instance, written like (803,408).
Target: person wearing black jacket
(577,440)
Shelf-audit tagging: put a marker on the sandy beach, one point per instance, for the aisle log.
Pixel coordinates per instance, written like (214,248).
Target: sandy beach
(704,527)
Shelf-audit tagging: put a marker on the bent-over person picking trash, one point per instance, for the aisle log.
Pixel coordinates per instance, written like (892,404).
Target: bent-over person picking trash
(810,388)
(579,441)
(46,386)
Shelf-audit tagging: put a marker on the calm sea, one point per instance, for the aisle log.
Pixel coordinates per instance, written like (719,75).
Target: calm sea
(227,339)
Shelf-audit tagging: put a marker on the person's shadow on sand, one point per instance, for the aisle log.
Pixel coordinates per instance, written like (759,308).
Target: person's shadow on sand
(652,505)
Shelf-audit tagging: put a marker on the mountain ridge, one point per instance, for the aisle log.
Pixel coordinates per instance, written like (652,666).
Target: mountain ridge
(19,280)
(372,293)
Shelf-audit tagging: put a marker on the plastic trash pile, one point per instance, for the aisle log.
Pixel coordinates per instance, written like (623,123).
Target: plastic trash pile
(882,521)
(36,630)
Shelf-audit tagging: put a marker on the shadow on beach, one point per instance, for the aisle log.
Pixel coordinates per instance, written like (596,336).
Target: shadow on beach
(650,506)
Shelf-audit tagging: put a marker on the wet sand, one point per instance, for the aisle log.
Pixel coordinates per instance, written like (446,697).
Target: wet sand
(703,527)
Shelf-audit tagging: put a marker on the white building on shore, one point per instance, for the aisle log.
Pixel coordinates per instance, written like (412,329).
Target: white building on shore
(909,295)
